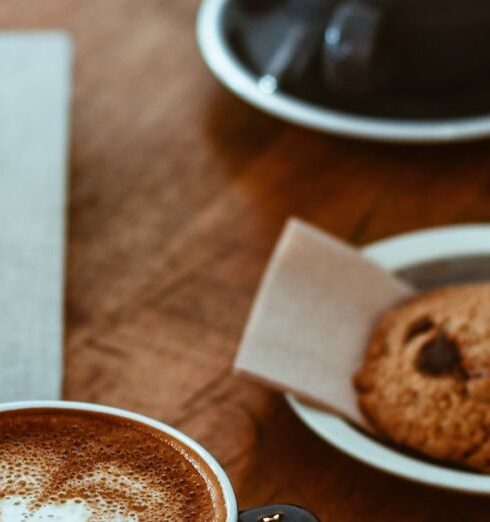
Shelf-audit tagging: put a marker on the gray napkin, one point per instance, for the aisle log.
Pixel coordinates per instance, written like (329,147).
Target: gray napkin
(34,115)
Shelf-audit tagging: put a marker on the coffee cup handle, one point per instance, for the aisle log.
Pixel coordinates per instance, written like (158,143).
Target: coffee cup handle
(277,513)
(350,48)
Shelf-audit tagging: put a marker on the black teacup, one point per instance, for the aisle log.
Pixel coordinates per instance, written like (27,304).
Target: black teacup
(407,44)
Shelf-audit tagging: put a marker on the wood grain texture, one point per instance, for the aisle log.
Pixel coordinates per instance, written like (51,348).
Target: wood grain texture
(178,193)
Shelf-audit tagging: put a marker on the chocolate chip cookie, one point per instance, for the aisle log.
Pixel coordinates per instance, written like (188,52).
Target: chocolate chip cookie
(425,381)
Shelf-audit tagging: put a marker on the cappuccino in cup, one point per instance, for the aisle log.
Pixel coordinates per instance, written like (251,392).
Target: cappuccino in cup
(61,464)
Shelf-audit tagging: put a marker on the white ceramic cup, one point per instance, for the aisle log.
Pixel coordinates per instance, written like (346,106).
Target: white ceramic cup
(280,513)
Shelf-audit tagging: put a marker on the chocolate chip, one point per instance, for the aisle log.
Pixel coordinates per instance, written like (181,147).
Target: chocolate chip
(438,356)
(423,325)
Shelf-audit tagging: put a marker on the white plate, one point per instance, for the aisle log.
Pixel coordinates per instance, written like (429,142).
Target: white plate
(442,246)
(232,74)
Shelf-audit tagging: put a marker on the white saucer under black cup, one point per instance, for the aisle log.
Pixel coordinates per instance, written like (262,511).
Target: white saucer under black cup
(239,43)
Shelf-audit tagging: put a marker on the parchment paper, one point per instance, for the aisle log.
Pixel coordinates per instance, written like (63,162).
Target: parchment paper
(316,306)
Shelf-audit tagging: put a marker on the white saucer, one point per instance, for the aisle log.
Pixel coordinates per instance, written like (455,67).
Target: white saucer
(443,255)
(223,63)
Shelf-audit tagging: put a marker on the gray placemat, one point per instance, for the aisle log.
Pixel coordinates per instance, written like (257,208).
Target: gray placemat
(35,71)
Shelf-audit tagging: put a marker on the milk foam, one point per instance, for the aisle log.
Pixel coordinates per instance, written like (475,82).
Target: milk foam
(86,468)
(115,481)
(17,509)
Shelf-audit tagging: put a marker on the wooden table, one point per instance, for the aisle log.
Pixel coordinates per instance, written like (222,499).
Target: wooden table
(178,193)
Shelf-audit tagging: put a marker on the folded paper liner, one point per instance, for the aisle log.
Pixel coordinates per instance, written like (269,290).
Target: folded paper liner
(312,317)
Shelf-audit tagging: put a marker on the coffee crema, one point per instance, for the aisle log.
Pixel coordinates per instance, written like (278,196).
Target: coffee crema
(71,465)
